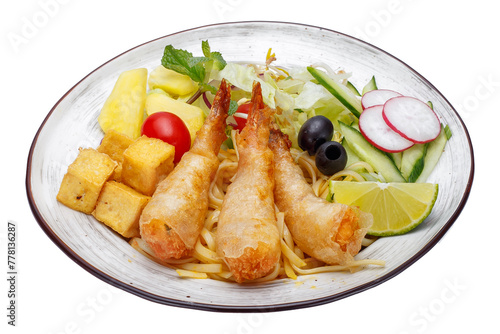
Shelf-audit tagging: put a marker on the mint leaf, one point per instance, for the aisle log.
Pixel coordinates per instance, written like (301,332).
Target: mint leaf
(219,62)
(183,62)
(205,48)
(196,68)
(233,106)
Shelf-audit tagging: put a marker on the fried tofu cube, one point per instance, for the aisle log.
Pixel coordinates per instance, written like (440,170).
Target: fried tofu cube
(82,183)
(117,174)
(146,162)
(120,207)
(114,144)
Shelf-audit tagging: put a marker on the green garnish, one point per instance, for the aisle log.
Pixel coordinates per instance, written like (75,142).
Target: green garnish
(353,88)
(183,62)
(196,68)
(233,106)
(447,132)
(371,85)
(446,129)
(330,195)
(218,62)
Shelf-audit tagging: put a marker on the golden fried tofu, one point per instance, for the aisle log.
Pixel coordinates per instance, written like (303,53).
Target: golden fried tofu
(114,144)
(120,207)
(82,184)
(146,162)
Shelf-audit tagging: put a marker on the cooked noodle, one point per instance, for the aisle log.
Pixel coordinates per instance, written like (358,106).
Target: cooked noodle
(205,263)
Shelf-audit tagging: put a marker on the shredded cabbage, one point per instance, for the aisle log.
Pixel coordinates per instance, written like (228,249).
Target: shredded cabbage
(296,96)
(243,77)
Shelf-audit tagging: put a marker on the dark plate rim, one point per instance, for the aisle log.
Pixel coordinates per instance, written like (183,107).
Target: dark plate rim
(243,308)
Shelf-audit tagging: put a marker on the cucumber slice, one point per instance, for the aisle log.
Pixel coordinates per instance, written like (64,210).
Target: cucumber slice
(434,151)
(397,158)
(351,156)
(447,131)
(371,85)
(341,92)
(352,88)
(379,160)
(369,177)
(412,162)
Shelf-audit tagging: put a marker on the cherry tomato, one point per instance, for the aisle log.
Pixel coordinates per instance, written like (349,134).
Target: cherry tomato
(171,129)
(240,122)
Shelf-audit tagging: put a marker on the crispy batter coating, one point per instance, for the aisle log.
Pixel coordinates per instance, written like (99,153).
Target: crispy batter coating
(330,232)
(247,235)
(172,220)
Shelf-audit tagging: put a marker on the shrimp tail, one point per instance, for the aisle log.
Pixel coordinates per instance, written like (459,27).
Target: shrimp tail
(212,134)
(257,98)
(278,141)
(247,235)
(172,220)
(256,130)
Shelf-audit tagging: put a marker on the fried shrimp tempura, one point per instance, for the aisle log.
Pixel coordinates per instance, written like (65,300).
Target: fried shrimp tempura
(247,234)
(173,219)
(330,232)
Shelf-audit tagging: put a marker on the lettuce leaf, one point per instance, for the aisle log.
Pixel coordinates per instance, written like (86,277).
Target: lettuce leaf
(243,76)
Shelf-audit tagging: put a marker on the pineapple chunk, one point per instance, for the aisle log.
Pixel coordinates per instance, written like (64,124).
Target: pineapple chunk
(146,163)
(123,110)
(82,184)
(192,116)
(120,207)
(171,82)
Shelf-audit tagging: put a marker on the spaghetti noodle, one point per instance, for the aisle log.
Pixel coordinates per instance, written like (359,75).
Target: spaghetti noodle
(205,263)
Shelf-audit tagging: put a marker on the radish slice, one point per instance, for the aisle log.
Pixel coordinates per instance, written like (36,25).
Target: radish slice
(377,97)
(378,133)
(412,119)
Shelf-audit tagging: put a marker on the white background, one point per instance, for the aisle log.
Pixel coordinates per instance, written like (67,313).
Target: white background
(454,46)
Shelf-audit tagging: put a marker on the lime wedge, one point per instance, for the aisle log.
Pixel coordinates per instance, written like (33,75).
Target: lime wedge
(396,207)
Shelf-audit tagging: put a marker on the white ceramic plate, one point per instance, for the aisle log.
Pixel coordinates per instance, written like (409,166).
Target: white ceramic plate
(72,123)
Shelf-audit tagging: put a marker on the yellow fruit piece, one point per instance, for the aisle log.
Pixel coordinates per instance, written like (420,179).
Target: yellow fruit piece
(396,207)
(123,110)
(192,116)
(171,82)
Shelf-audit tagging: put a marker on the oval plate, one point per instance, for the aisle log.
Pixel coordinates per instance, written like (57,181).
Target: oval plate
(72,123)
